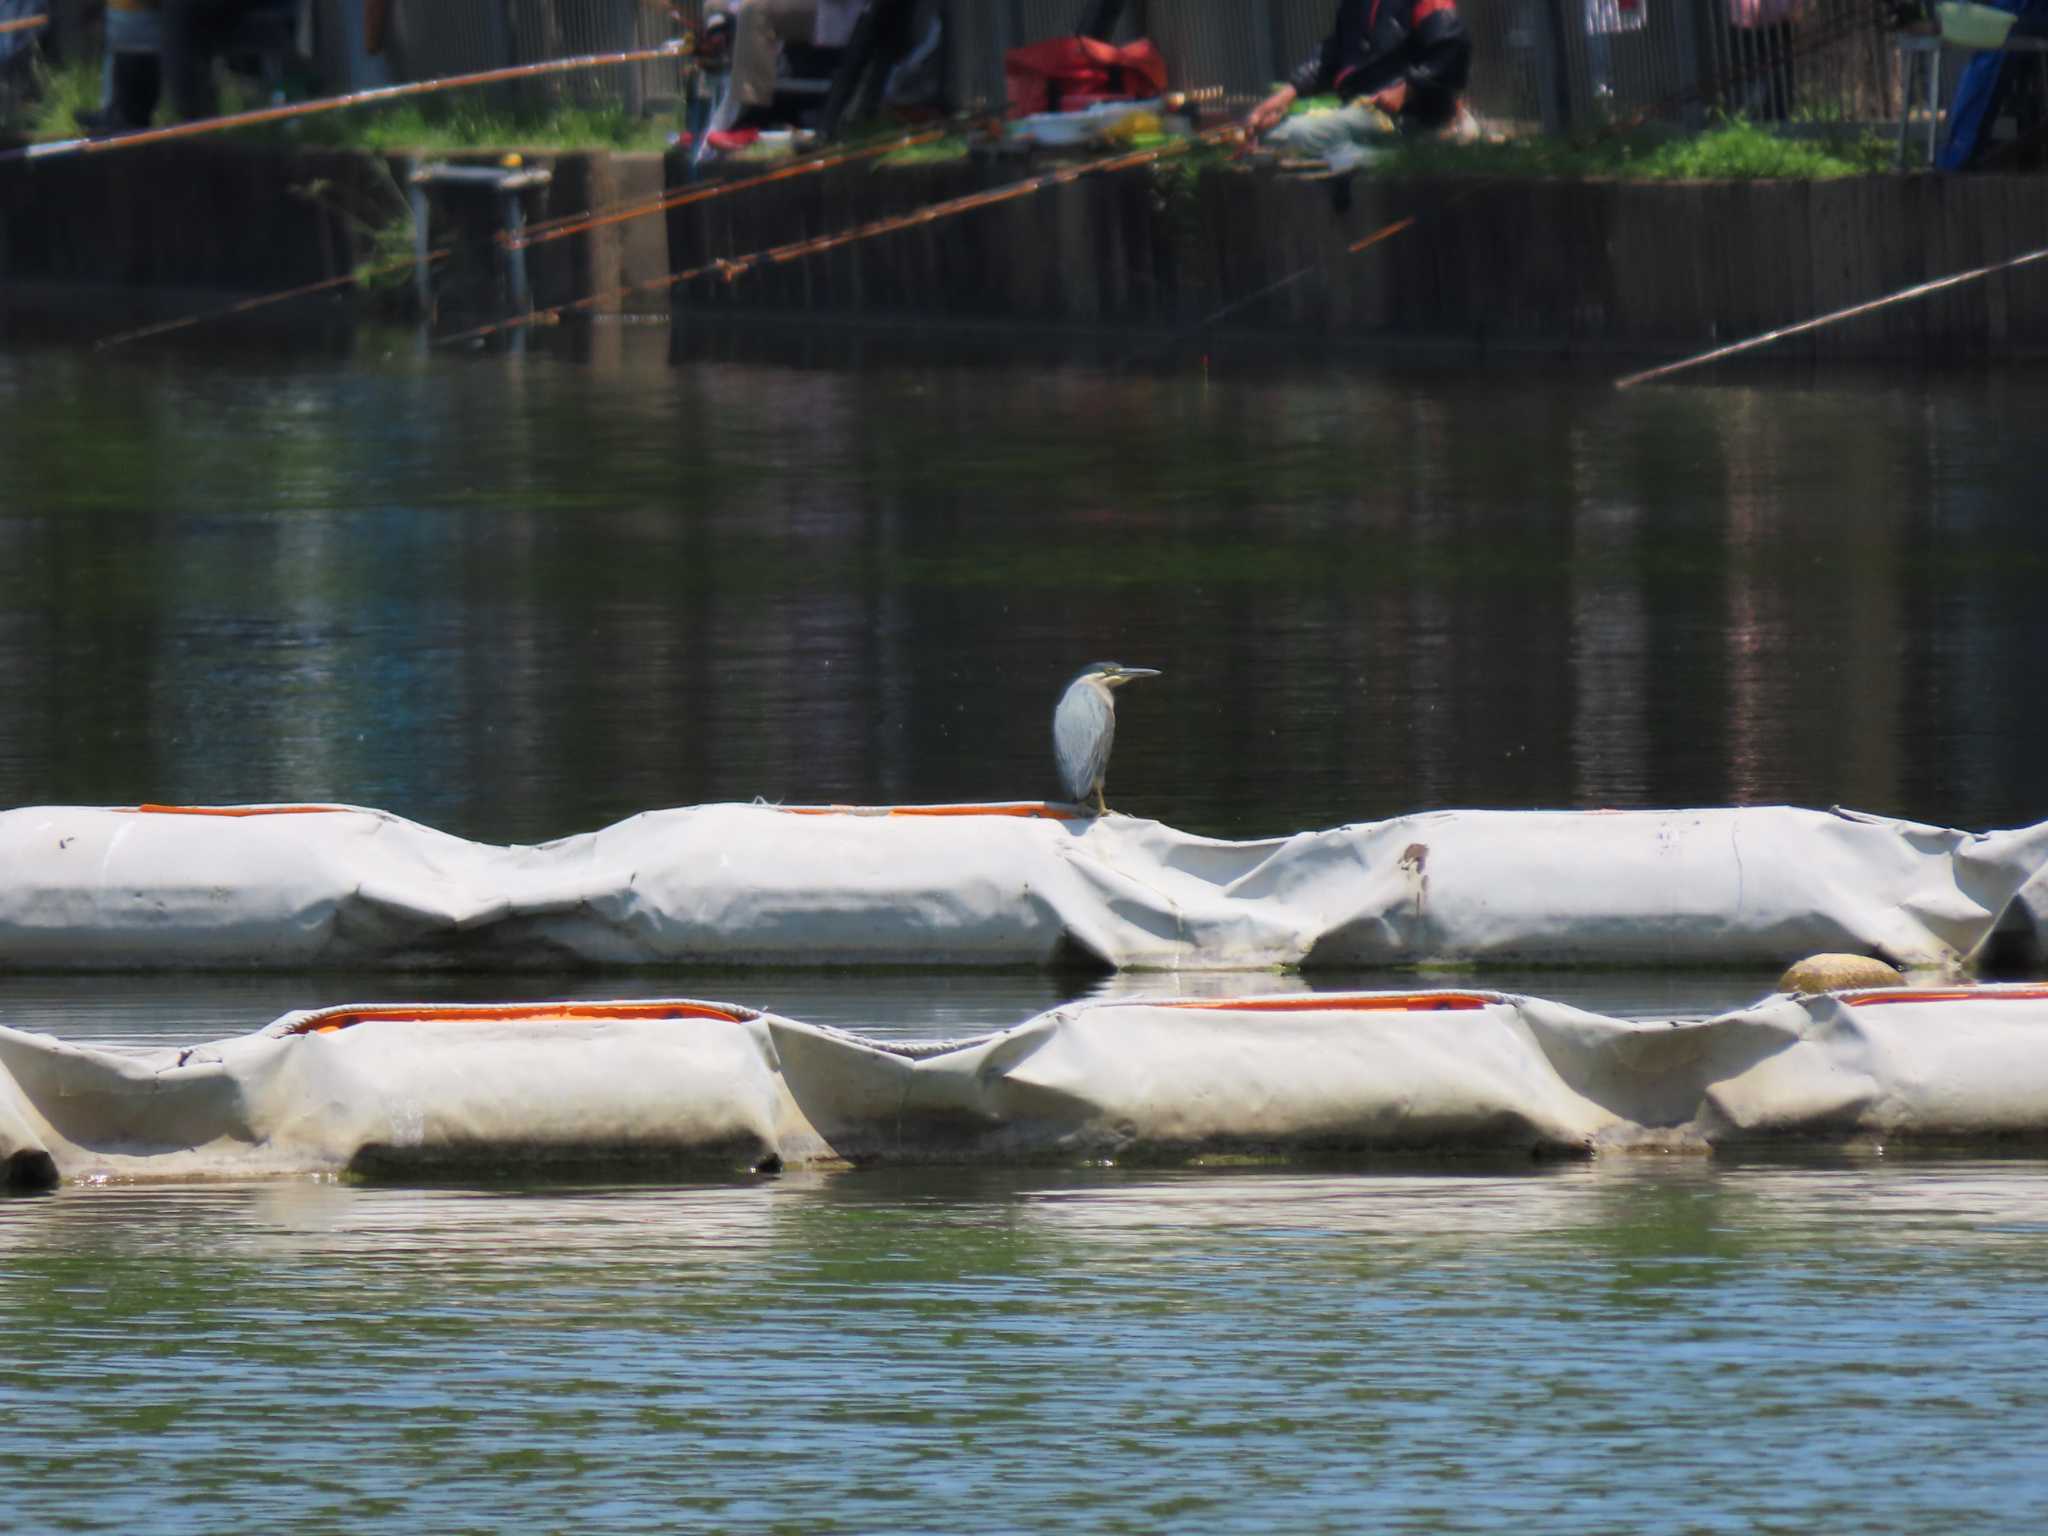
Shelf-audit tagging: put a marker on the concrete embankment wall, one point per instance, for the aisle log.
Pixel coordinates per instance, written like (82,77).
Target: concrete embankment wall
(1557,266)
(259,219)
(1568,266)
(180,216)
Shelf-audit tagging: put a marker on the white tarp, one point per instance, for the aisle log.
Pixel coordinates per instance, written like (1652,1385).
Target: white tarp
(410,1088)
(86,887)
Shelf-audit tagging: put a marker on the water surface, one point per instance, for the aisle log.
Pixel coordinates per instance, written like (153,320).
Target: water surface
(518,598)
(1616,1347)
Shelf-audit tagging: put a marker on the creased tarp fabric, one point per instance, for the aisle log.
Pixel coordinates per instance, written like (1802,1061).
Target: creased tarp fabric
(87,888)
(1279,1077)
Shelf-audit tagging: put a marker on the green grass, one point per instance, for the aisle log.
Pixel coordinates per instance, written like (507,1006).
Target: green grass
(59,96)
(455,124)
(940,152)
(1733,151)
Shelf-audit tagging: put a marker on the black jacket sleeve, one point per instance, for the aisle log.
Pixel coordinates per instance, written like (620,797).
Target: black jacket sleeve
(1316,74)
(1439,53)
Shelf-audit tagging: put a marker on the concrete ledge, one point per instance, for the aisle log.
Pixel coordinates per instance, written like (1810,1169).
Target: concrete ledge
(1508,265)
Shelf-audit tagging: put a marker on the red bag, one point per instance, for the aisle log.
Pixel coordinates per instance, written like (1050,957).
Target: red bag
(1068,73)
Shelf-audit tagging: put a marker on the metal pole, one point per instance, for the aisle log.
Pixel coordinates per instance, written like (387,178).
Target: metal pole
(1555,84)
(1099,19)
(1266,45)
(635,91)
(1693,17)
(422,271)
(513,217)
(514,256)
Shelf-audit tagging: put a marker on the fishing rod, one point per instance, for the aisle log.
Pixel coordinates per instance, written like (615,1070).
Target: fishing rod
(25,24)
(732,268)
(661,202)
(543,230)
(680,48)
(264,300)
(548,230)
(1917,291)
(1716,85)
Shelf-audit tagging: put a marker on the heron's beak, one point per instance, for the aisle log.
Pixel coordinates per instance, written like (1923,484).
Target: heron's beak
(1127,674)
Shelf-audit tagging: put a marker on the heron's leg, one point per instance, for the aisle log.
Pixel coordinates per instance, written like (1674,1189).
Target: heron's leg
(1101,805)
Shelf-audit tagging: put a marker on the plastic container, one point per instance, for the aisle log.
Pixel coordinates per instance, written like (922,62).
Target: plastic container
(1964,25)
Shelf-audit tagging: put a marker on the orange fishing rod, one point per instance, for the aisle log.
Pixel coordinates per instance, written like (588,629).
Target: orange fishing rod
(732,268)
(660,202)
(25,24)
(264,300)
(550,229)
(543,230)
(374,96)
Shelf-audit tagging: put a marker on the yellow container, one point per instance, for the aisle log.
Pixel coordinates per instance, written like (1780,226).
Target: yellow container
(1973,26)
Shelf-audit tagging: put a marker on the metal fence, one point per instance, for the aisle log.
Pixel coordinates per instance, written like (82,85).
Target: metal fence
(445,37)
(1565,66)
(1561,65)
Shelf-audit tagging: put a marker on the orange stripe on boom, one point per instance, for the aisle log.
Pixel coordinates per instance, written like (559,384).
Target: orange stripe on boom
(2029,994)
(331,1020)
(1368,1002)
(240,810)
(1026,808)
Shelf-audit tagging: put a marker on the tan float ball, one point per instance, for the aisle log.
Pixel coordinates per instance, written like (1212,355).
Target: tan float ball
(1836,973)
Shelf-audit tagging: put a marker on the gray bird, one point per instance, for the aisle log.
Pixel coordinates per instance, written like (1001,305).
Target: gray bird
(1085,724)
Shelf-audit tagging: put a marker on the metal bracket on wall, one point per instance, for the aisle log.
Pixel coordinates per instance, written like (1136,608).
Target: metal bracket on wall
(508,183)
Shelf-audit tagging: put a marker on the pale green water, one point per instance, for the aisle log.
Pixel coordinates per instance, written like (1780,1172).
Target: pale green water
(1636,1346)
(516,599)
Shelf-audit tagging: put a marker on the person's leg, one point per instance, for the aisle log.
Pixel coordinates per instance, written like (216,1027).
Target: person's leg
(134,82)
(760,28)
(191,31)
(132,76)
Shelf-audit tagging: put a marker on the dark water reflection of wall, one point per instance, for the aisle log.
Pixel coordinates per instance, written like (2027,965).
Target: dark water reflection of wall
(517,597)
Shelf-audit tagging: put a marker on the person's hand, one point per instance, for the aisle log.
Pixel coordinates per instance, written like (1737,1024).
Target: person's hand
(1392,99)
(1269,112)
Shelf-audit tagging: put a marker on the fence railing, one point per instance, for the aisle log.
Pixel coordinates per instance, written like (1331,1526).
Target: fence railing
(446,37)
(1564,66)
(1561,65)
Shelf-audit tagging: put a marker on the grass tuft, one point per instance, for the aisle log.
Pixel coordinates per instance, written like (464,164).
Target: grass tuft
(457,124)
(55,98)
(1736,150)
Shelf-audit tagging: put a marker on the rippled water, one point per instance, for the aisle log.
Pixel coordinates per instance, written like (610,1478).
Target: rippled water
(1617,1347)
(521,598)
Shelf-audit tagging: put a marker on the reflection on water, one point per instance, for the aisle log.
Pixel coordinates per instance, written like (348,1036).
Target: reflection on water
(515,599)
(1618,1347)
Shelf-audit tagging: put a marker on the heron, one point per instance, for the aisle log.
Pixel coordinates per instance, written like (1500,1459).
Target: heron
(1084,725)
